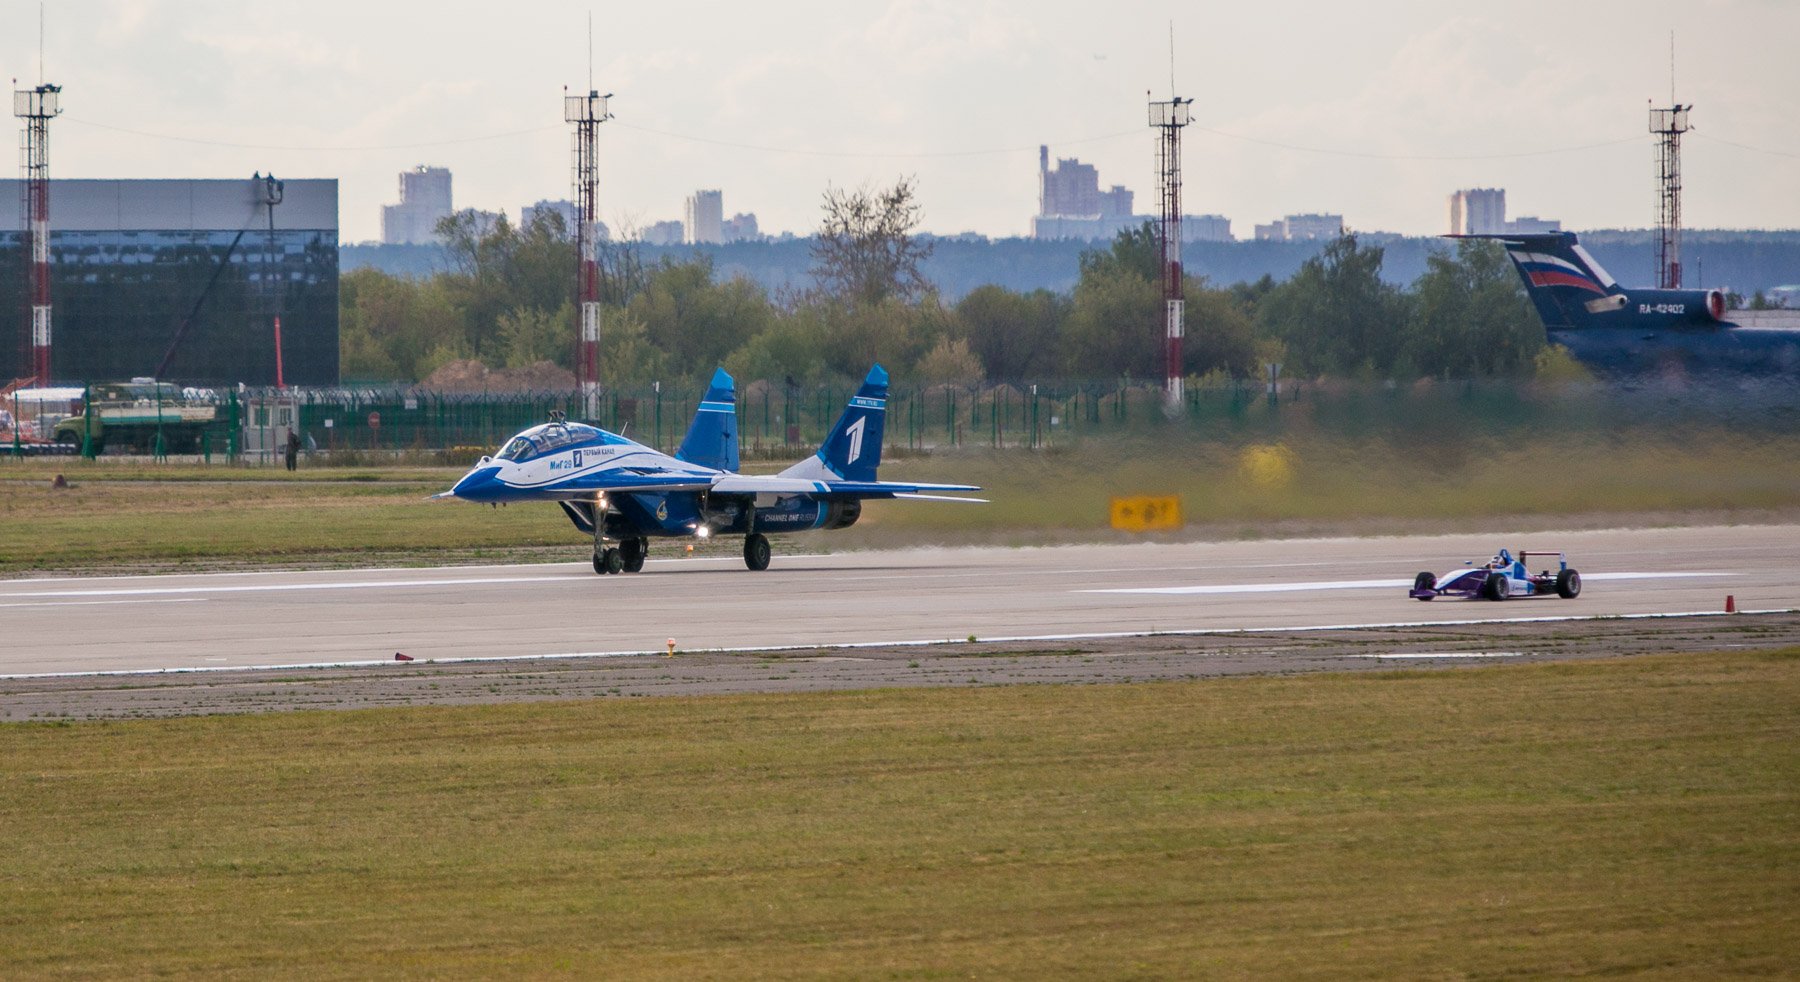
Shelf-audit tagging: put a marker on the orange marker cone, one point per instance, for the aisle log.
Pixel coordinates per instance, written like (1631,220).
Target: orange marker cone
(1730,604)
(400,657)
(671,653)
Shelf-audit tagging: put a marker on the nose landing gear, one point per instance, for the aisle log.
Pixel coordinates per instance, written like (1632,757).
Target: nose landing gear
(626,557)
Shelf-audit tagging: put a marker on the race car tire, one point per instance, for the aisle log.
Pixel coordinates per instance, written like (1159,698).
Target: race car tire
(1495,587)
(1425,581)
(1568,584)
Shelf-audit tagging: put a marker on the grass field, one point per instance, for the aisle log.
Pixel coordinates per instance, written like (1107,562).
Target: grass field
(1626,817)
(128,515)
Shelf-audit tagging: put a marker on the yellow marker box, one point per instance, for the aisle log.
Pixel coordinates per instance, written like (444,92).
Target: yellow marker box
(1146,514)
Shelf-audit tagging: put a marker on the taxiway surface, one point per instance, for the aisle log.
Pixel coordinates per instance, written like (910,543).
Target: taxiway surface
(239,620)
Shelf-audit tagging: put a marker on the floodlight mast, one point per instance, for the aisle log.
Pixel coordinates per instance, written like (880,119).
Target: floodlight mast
(272,193)
(587,112)
(1168,118)
(1668,124)
(37,106)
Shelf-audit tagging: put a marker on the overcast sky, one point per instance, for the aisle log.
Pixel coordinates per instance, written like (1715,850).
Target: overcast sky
(1376,109)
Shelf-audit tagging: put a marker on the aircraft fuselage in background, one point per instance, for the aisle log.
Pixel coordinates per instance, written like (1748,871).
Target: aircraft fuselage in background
(1628,331)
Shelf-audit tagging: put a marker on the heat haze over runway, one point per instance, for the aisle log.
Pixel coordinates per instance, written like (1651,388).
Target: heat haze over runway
(238,620)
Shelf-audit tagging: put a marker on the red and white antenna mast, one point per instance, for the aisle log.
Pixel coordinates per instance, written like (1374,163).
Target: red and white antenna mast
(1169,117)
(587,112)
(37,107)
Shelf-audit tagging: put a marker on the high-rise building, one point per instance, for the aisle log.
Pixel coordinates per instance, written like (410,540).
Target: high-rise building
(663,234)
(424,201)
(706,218)
(1533,225)
(186,273)
(1071,204)
(1205,228)
(530,213)
(1482,211)
(1313,226)
(1301,228)
(483,222)
(1478,211)
(742,228)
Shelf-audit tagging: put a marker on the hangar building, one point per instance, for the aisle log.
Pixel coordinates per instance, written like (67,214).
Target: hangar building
(189,269)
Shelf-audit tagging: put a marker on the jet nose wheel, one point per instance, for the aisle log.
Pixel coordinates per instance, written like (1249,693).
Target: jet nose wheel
(608,561)
(632,552)
(756,551)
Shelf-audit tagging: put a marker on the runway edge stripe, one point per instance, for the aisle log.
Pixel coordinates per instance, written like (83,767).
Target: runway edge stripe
(854,645)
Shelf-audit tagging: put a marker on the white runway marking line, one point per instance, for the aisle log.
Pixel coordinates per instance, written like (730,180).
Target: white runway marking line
(285,587)
(1359,584)
(1447,654)
(105,603)
(853,645)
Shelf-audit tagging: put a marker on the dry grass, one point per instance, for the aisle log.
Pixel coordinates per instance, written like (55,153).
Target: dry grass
(1330,478)
(131,515)
(1601,818)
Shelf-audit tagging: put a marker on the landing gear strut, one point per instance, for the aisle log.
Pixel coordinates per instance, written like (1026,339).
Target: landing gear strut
(756,551)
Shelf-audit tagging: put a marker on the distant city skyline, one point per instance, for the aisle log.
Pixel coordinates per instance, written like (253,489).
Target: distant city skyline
(1375,111)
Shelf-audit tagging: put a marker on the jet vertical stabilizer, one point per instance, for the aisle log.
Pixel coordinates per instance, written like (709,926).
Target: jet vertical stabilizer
(853,450)
(712,441)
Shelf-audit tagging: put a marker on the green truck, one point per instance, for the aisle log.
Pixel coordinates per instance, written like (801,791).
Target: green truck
(133,414)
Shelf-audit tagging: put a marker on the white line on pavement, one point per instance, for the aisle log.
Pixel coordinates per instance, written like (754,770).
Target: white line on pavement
(1359,584)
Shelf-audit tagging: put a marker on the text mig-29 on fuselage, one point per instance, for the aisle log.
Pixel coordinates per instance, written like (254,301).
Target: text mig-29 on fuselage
(624,494)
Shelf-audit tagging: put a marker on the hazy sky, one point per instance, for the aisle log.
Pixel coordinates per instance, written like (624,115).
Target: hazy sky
(1375,109)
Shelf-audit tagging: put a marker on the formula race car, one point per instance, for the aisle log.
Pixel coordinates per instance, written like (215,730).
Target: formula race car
(1501,578)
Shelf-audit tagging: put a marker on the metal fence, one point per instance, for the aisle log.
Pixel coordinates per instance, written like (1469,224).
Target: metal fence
(783,421)
(773,418)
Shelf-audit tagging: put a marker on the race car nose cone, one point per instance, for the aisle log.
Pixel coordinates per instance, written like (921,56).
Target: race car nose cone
(477,485)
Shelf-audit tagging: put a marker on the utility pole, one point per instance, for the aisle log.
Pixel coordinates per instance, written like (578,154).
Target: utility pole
(587,112)
(1168,118)
(37,107)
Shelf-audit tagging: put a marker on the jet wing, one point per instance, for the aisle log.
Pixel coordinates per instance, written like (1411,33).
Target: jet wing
(758,484)
(485,484)
(616,482)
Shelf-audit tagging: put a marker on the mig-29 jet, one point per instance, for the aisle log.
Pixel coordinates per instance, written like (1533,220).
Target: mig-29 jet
(624,493)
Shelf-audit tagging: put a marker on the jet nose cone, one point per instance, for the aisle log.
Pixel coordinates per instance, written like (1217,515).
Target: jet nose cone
(477,485)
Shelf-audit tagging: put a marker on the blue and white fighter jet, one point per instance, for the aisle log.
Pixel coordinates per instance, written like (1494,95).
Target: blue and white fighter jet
(624,494)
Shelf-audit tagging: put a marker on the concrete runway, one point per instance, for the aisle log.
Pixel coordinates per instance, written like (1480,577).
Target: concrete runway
(238,620)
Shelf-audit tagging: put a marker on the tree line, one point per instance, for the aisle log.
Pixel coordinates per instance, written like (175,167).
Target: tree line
(506,299)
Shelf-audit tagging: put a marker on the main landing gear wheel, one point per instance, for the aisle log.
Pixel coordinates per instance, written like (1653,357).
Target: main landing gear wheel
(756,551)
(608,561)
(632,553)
